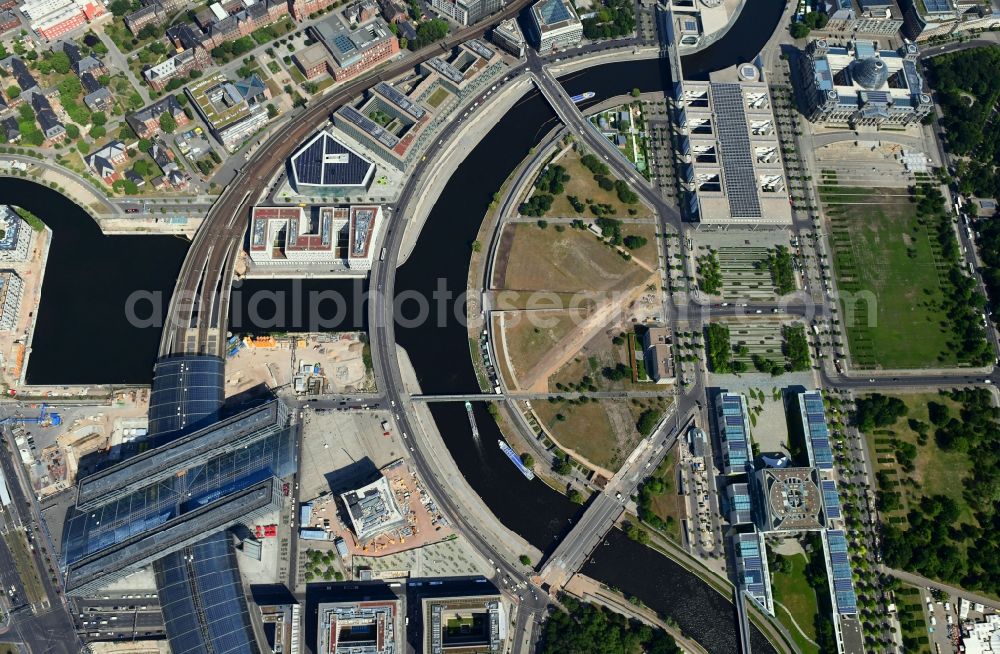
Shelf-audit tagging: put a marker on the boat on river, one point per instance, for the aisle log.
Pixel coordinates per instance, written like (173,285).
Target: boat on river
(516,460)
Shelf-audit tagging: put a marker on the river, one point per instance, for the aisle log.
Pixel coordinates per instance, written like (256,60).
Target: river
(82,325)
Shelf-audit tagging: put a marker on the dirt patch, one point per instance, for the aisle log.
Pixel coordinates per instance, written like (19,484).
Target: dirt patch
(568,261)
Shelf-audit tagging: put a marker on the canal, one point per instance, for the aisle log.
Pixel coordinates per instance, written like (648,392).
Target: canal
(82,324)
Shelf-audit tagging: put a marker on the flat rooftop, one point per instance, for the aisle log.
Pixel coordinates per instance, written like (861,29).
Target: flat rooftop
(165,460)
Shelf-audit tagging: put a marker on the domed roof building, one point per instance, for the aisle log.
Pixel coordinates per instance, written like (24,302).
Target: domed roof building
(862,85)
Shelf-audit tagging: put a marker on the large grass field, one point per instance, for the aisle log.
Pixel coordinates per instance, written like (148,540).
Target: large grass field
(881,250)
(569,261)
(936,472)
(793,592)
(583,186)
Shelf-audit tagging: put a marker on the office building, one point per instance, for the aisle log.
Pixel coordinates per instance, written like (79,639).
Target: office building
(752,573)
(464,624)
(325,167)
(509,37)
(15,243)
(373,510)
(361,627)
(554,25)
(11,289)
(733,429)
(233,110)
(387,122)
(861,85)
(175,491)
(658,355)
(467,12)
(876,17)
(467,69)
(732,170)
(355,49)
(815,430)
(343,236)
(789,499)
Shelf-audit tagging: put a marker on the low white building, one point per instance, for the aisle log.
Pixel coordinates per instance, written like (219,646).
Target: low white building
(11,287)
(15,239)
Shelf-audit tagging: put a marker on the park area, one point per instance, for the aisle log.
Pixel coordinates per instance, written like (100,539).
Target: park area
(602,432)
(936,482)
(582,185)
(891,277)
(795,603)
(935,471)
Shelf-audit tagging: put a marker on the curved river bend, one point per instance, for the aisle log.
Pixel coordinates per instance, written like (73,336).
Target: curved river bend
(82,325)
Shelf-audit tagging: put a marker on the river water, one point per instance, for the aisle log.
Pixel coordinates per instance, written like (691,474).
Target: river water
(82,324)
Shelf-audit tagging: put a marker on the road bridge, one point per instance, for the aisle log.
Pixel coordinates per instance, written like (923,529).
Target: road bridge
(607,506)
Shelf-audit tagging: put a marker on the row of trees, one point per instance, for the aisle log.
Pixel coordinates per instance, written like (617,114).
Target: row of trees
(779,263)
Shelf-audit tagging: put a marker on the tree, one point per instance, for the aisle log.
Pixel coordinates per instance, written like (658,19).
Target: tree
(120,7)
(99,118)
(633,242)
(527,460)
(167,123)
(575,496)
(524,559)
(72,131)
(272,111)
(477,246)
(13,91)
(432,30)
(636,92)
(799,30)
(97,132)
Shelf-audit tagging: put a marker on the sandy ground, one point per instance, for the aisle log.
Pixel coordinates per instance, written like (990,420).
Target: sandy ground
(340,357)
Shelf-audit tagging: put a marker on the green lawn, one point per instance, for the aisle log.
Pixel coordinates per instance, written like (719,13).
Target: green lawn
(881,252)
(793,592)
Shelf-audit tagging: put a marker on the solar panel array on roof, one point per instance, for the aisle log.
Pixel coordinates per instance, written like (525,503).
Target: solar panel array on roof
(734,143)
(818,432)
(733,431)
(201,595)
(187,391)
(752,566)
(831,498)
(553,11)
(840,565)
(344,44)
(384,137)
(325,161)
(937,6)
(480,48)
(400,100)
